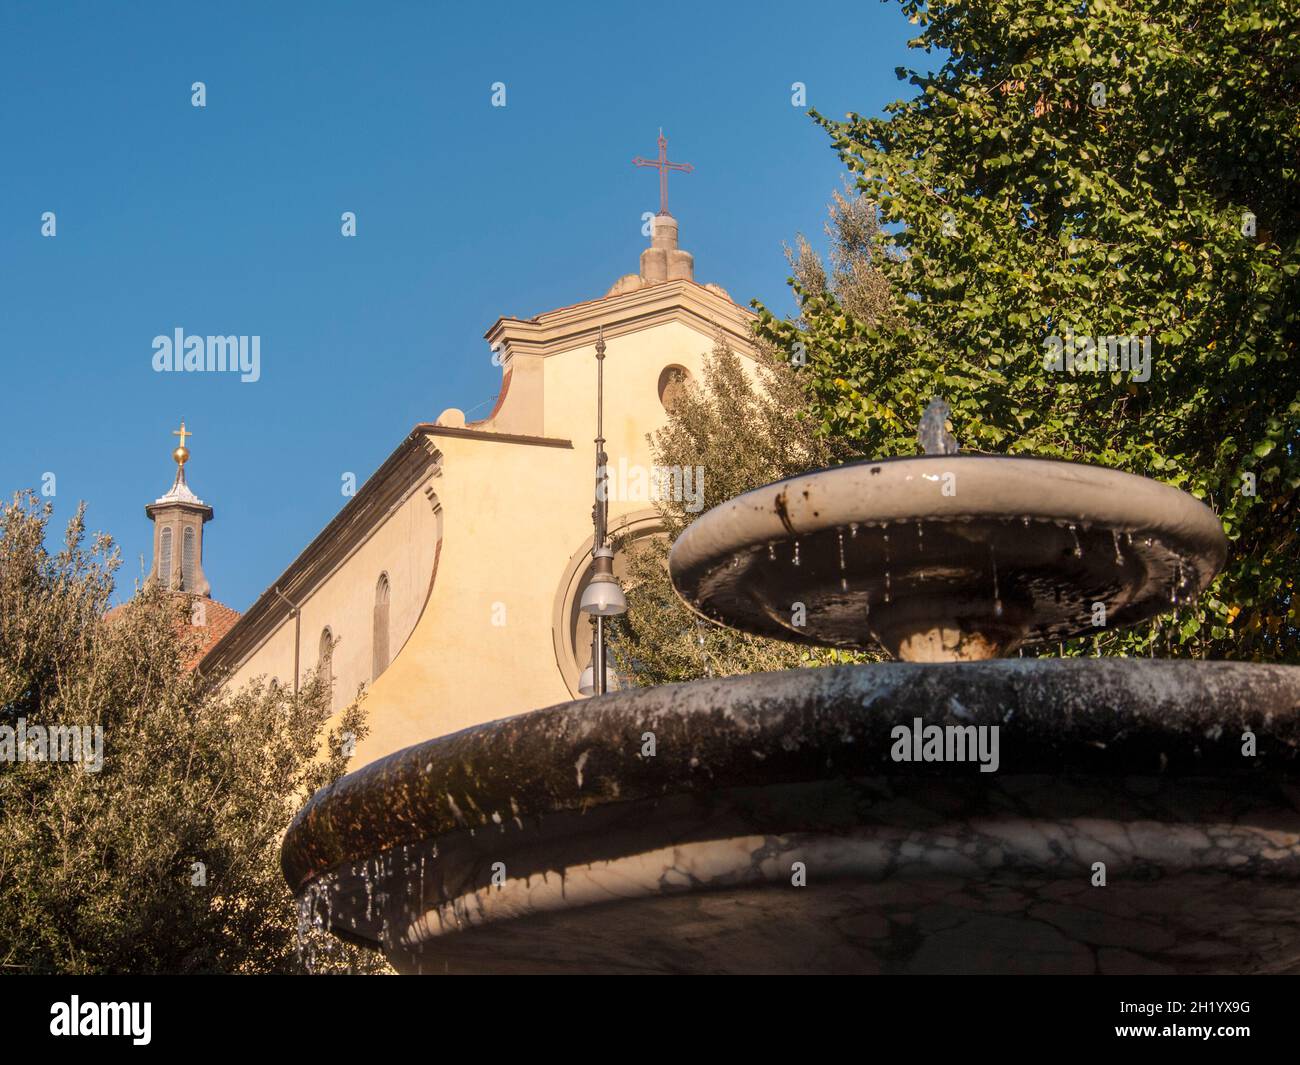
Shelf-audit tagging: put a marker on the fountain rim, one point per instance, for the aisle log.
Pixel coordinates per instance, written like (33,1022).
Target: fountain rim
(531,757)
(714,515)
(1085,495)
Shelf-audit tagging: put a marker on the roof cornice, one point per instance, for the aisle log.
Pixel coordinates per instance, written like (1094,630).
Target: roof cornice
(195,505)
(684,301)
(467,433)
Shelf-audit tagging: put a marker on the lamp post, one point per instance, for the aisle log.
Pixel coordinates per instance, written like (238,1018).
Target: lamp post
(602,598)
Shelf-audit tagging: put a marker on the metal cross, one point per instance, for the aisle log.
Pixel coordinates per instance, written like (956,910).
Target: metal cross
(663,166)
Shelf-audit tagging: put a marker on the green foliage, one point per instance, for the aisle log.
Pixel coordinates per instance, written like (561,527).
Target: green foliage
(1019,202)
(853,273)
(745,431)
(97,868)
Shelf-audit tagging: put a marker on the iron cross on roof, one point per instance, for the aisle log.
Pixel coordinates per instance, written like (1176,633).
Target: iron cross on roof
(663,166)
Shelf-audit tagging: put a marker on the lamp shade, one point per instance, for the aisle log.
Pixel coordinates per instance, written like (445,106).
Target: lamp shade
(587,682)
(603,597)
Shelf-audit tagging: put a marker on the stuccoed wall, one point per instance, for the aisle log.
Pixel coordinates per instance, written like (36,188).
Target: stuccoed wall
(514,514)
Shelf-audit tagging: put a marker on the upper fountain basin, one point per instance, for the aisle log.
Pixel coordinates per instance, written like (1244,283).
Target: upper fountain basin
(947,557)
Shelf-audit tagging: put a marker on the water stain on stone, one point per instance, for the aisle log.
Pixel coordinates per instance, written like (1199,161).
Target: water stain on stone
(783,512)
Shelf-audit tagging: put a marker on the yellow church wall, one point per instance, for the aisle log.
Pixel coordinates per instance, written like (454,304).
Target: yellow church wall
(482,650)
(511,531)
(514,515)
(633,363)
(273,661)
(403,546)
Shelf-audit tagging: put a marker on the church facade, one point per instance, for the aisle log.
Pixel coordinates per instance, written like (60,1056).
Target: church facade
(448,586)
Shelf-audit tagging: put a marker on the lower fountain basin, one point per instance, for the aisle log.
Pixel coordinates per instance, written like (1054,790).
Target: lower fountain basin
(555,841)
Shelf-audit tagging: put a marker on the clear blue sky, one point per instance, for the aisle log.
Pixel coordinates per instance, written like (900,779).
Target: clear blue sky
(225,220)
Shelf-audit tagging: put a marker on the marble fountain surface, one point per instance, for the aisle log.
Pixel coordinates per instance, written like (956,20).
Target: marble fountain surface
(927,553)
(781,823)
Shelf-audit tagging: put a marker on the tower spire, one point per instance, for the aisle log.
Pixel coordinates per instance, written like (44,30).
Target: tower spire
(178,518)
(180,456)
(182,453)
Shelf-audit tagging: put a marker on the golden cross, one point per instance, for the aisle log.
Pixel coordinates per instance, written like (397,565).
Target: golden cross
(181,432)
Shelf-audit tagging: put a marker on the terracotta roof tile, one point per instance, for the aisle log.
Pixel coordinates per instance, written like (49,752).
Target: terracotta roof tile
(218,618)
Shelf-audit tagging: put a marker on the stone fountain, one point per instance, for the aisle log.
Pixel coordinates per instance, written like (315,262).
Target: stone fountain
(952,812)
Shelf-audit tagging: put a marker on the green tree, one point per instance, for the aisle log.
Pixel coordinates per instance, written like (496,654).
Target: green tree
(744,432)
(1115,168)
(165,860)
(851,271)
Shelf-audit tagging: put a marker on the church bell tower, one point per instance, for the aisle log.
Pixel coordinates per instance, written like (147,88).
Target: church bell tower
(178,519)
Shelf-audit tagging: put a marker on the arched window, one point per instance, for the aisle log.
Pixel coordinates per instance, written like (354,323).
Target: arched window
(380,639)
(187,560)
(325,660)
(673,381)
(165,556)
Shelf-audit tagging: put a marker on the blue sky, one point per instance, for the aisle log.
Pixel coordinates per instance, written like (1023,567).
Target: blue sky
(225,220)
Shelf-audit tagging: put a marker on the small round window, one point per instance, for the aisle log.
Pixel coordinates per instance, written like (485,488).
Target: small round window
(672,382)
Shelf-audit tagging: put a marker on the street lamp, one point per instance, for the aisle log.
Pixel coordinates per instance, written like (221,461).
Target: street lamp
(587,683)
(602,598)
